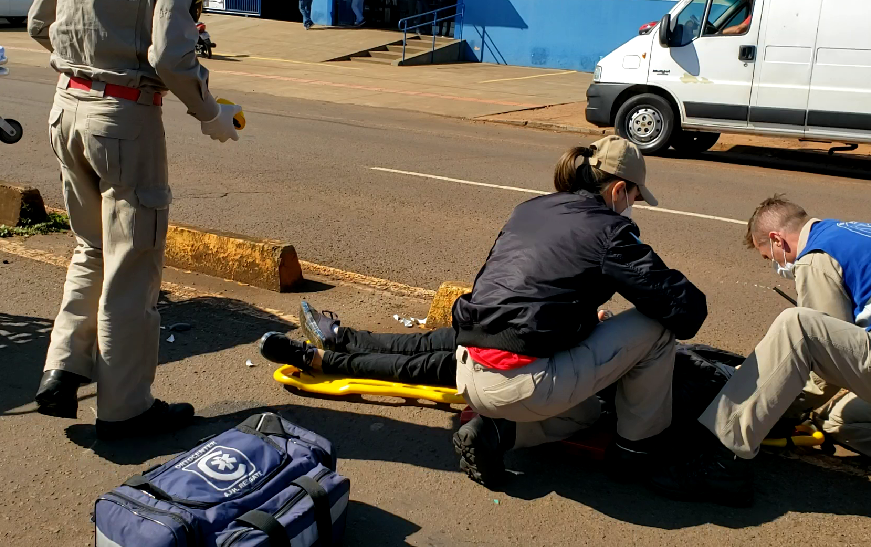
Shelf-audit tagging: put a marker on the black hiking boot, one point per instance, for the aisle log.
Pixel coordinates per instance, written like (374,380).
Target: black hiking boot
(57,394)
(160,418)
(630,461)
(320,329)
(279,348)
(481,443)
(715,474)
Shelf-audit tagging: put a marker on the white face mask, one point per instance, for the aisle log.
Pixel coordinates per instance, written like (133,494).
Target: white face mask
(627,212)
(784,271)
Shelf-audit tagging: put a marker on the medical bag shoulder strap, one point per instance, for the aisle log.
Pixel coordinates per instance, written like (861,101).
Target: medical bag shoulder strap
(266,523)
(323,518)
(277,535)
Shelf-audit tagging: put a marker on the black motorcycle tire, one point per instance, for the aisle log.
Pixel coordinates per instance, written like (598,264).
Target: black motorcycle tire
(12,139)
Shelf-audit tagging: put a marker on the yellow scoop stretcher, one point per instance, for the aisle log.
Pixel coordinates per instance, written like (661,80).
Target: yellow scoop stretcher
(806,435)
(326,384)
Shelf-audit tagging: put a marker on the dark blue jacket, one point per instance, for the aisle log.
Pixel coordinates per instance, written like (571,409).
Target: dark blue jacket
(556,261)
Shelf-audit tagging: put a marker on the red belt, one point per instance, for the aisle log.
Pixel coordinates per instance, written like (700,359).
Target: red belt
(112,90)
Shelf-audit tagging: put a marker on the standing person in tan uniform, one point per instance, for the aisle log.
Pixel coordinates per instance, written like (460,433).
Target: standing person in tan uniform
(116,62)
(810,352)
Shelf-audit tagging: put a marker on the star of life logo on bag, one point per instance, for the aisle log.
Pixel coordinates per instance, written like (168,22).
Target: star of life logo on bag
(224,468)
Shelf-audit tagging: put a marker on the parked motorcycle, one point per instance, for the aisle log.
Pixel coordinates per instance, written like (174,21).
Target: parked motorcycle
(10,130)
(204,41)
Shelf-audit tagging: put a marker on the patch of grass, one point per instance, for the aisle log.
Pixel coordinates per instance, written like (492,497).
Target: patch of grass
(56,222)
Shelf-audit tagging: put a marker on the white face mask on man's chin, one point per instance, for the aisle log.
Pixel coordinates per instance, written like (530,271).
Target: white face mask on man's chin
(785,271)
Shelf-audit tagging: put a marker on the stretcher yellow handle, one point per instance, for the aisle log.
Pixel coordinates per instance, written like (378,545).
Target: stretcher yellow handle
(812,437)
(337,385)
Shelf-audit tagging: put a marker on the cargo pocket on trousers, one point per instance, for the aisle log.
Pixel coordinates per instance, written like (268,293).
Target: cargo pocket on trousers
(55,131)
(103,148)
(510,391)
(149,228)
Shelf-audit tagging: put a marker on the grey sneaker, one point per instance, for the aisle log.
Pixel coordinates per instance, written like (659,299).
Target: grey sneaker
(320,329)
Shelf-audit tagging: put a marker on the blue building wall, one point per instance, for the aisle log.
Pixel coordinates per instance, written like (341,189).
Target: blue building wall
(566,34)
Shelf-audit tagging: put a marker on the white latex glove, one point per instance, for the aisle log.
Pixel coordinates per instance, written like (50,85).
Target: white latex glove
(221,128)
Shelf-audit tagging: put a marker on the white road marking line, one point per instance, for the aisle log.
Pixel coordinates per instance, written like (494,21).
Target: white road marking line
(541,193)
(529,77)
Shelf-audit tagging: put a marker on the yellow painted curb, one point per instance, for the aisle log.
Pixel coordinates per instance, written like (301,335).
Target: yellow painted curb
(265,263)
(439,315)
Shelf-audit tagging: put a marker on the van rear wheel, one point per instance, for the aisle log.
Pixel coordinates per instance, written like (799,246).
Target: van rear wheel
(647,120)
(693,142)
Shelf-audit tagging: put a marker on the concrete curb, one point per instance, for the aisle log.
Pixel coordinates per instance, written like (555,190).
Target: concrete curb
(264,263)
(20,203)
(549,126)
(439,315)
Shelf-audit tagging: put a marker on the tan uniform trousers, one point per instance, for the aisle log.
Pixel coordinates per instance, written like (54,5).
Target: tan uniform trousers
(552,399)
(800,341)
(847,419)
(114,172)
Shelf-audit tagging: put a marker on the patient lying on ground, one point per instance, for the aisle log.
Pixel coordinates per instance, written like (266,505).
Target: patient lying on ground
(421,358)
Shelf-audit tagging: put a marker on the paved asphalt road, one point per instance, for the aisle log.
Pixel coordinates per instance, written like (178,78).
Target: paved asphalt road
(303,173)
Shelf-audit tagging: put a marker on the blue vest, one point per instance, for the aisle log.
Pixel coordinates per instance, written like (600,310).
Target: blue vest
(850,244)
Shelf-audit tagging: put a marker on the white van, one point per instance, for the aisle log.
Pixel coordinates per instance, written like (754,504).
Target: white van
(786,68)
(15,11)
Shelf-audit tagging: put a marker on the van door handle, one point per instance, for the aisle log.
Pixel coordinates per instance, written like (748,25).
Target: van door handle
(746,53)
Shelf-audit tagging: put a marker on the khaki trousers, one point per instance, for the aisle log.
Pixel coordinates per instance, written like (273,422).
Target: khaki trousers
(553,398)
(799,341)
(847,419)
(112,155)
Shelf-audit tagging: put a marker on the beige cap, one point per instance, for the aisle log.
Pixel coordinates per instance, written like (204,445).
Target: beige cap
(623,159)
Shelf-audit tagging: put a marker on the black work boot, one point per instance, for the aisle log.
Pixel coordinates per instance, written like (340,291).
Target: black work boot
(630,461)
(57,394)
(716,474)
(320,329)
(481,443)
(160,418)
(279,348)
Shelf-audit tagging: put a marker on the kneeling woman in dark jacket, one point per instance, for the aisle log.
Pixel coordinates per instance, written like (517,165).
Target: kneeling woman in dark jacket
(532,352)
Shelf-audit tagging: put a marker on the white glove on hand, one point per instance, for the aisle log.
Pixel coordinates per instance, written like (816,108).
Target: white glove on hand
(221,128)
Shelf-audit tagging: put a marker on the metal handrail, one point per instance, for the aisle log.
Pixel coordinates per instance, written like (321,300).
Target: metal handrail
(457,17)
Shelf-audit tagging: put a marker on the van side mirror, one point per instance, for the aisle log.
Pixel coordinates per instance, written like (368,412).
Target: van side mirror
(665,30)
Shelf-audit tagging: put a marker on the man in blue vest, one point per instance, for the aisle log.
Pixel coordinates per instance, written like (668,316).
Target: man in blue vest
(808,355)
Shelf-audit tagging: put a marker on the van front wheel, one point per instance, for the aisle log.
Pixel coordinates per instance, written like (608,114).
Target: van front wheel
(648,121)
(693,142)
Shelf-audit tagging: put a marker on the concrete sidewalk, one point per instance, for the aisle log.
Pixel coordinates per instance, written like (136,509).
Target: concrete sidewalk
(570,117)
(282,59)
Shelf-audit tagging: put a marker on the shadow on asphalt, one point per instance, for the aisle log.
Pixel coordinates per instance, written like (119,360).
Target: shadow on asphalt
(366,522)
(804,161)
(355,436)
(783,485)
(216,324)
(23,343)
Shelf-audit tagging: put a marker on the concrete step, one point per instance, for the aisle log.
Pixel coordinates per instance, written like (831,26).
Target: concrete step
(440,40)
(411,49)
(372,60)
(386,54)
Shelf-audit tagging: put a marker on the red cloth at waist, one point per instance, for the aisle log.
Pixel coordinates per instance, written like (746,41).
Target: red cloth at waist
(498,359)
(112,90)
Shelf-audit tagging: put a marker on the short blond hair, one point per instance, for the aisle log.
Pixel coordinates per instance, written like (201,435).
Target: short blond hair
(773,214)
